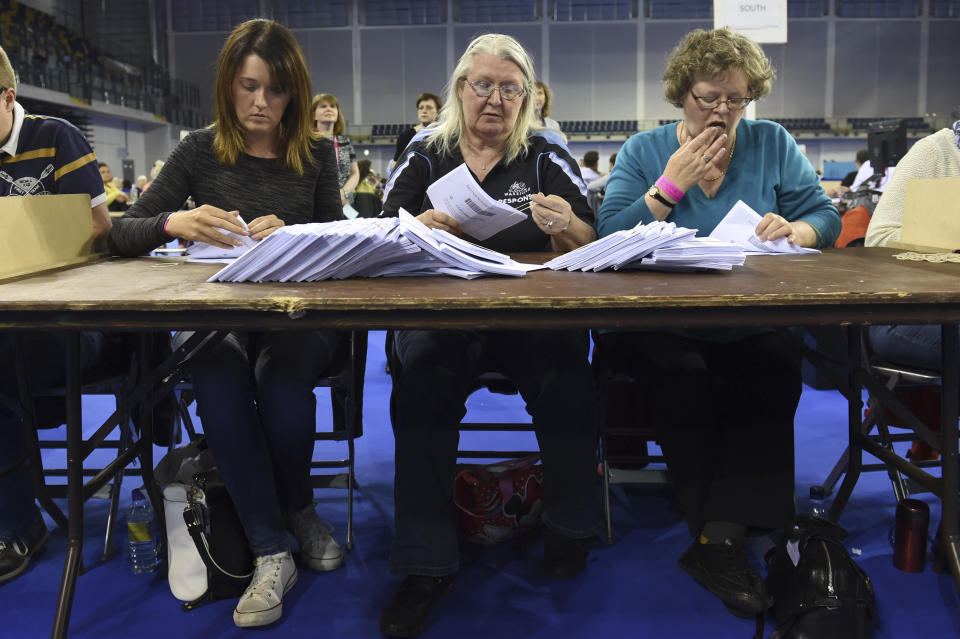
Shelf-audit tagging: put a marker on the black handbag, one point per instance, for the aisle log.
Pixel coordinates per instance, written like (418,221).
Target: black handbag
(209,556)
(819,591)
(215,528)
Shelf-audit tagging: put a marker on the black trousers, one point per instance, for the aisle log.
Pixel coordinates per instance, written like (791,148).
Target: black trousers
(434,372)
(724,415)
(44,354)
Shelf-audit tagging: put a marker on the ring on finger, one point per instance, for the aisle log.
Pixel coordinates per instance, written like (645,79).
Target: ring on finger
(550,224)
(706,158)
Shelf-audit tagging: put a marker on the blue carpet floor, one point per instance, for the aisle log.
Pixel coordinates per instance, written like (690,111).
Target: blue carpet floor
(632,588)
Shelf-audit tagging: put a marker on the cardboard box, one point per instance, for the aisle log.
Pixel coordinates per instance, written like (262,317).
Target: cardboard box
(40,232)
(931,216)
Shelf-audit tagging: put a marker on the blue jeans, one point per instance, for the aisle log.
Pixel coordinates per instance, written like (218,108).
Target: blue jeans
(255,400)
(44,360)
(915,345)
(434,374)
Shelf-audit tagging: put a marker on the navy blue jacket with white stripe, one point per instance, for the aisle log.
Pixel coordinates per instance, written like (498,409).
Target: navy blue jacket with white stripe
(546,168)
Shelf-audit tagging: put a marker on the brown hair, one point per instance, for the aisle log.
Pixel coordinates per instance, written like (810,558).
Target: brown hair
(279,50)
(340,125)
(429,96)
(547,99)
(706,55)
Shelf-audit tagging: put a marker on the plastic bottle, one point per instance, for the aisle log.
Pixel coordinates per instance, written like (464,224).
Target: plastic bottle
(141,528)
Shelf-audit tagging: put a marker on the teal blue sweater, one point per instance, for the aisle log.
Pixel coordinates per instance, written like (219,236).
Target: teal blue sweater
(767,171)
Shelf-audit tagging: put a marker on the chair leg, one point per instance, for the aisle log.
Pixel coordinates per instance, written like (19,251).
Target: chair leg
(606,501)
(29,421)
(39,482)
(116,487)
(350,482)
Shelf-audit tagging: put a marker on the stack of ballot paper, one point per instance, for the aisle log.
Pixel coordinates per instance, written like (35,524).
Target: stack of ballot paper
(661,245)
(365,247)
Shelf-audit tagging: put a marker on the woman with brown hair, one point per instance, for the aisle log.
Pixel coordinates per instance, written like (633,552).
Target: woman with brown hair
(724,399)
(428,108)
(260,160)
(330,124)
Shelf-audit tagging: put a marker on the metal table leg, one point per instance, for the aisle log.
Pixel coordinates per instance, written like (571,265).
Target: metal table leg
(854,424)
(949,537)
(74,558)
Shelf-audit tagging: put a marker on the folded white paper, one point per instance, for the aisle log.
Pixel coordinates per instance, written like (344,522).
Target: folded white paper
(458,195)
(739,226)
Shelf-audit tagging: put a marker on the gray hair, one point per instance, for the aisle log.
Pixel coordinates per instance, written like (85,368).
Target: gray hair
(451,126)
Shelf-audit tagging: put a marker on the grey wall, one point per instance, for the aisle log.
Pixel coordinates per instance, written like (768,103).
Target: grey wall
(600,70)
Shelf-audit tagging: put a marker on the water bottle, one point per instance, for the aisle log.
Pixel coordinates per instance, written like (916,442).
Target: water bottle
(141,528)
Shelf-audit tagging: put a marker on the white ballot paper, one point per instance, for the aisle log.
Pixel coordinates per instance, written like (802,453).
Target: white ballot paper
(208,252)
(458,195)
(738,226)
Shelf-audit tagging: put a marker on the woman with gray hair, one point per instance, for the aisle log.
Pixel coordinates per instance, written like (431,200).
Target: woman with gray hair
(486,124)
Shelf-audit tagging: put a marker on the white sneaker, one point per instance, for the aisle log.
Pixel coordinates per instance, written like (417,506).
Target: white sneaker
(318,549)
(262,601)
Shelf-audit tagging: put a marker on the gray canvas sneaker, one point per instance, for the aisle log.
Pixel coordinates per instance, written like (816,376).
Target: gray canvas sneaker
(318,549)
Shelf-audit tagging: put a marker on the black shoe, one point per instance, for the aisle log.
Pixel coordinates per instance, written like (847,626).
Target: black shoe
(15,555)
(406,615)
(724,570)
(563,557)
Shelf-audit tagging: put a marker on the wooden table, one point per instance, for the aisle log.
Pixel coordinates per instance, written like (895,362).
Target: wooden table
(839,287)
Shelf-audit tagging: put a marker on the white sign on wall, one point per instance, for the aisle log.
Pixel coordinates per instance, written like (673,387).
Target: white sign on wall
(763,21)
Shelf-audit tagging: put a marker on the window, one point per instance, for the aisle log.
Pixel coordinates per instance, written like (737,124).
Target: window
(806,8)
(945,8)
(575,10)
(309,13)
(400,12)
(666,9)
(212,15)
(877,9)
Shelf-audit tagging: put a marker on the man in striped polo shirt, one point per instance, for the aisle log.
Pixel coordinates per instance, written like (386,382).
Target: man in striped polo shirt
(38,156)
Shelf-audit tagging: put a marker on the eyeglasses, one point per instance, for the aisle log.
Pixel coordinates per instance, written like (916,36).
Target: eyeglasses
(486,89)
(734,104)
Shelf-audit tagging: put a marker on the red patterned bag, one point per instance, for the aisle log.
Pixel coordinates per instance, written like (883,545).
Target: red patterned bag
(499,501)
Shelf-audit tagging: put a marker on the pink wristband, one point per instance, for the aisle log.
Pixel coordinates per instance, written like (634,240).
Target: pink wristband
(165,222)
(669,188)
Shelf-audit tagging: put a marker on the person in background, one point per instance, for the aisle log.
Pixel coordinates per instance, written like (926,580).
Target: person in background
(261,160)
(724,399)
(595,188)
(863,155)
(140,185)
(487,125)
(367,196)
(154,172)
(330,124)
(543,104)
(41,155)
(589,166)
(428,107)
(116,198)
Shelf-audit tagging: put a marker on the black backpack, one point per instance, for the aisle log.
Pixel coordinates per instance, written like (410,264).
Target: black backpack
(819,591)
